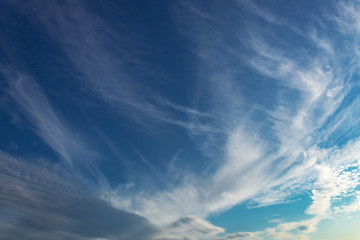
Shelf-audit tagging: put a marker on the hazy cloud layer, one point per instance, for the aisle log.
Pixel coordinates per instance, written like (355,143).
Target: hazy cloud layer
(45,201)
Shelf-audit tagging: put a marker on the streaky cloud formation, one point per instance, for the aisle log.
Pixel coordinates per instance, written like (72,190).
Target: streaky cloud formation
(46,200)
(44,120)
(322,90)
(110,77)
(189,110)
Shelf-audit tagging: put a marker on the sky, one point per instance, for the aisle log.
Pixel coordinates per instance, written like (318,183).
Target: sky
(179,120)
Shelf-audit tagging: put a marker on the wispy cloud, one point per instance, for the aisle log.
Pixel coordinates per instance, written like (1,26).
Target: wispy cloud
(108,58)
(45,121)
(268,149)
(308,93)
(240,236)
(190,227)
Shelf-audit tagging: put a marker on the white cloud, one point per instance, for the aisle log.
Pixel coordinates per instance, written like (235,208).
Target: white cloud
(190,227)
(353,206)
(44,120)
(240,236)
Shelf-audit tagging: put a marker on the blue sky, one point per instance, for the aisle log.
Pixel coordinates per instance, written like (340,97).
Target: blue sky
(179,120)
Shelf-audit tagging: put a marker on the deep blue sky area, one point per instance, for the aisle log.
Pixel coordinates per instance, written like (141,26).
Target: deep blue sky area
(179,120)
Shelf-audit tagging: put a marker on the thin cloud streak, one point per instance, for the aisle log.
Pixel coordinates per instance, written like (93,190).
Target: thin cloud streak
(37,110)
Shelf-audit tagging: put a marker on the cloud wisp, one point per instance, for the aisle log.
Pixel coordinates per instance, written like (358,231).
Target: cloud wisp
(48,125)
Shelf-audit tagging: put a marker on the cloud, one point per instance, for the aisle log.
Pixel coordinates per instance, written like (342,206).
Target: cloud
(190,227)
(39,199)
(289,230)
(353,206)
(265,149)
(108,57)
(306,226)
(266,15)
(276,154)
(38,111)
(45,121)
(336,177)
(240,236)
